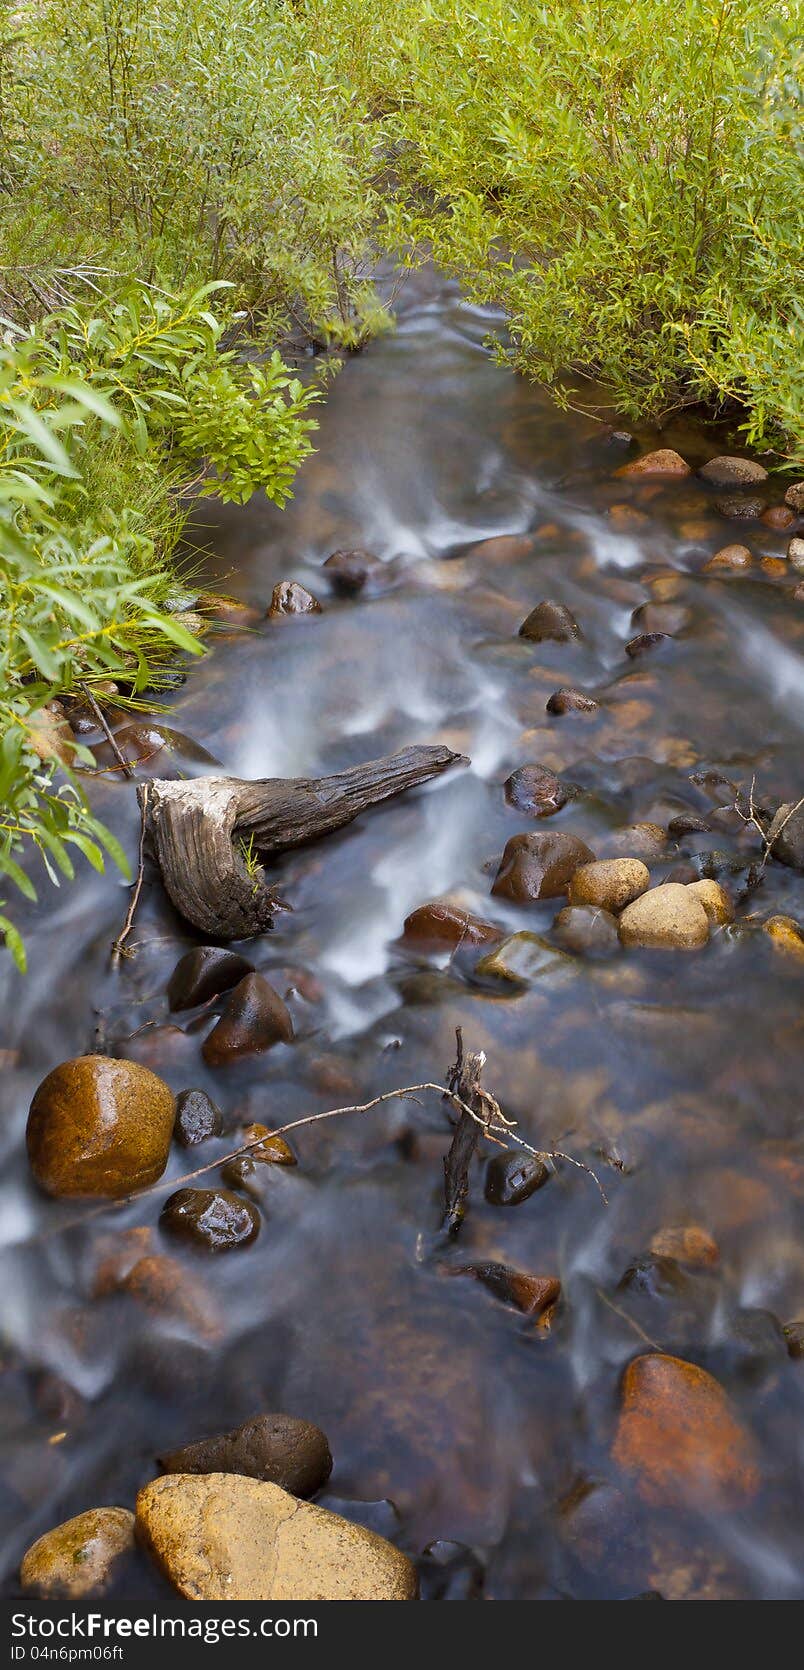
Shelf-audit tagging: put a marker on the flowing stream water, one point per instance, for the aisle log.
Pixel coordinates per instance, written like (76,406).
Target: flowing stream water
(453,1419)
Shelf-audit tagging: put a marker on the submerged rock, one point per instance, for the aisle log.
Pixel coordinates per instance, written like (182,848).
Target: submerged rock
(610,883)
(99,1126)
(643,642)
(586,931)
(536,790)
(78,1558)
(667,618)
(523,958)
(680,1438)
(734,559)
(664,461)
(204,973)
(550,621)
(513,1177)
(281,1449)
(531,1294)
(197,1118)
(786,935)
(686,1244)
(254,1018)
(647,841)
(778,517)
(348,571)
(788,845)
(442,924)
(666,918)
(727,471)
(571,701)
(741,507)
(222,1537)
(289,598)
(539,865)
(215,1219)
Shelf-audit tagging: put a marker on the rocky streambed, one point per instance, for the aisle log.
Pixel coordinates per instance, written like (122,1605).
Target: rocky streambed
(593,1389)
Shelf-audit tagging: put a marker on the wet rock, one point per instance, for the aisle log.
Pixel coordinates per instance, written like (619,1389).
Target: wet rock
(254,1019)
(289,598)
(441,924)
(732,472)
(140,741)
(163,1287)
(450,1571)
(212,1218)
(586,931)
(222,1537)
(273,1148)
(197,1118)
(794,497)
(98,1126)
(536,790)
(667,618)
(610,883)
(666,918)
(656,1276)
(678,1436)
(349,571)
(204,973)
(281,1449)
(774,566)
(531,1294)
(687,1244)
(753,1346)
(51,735)
(514,1176)
(687,823)
(602,1529)
(550,621)
(778,517)
(571,701)
(539,866)
(715,901)
(794,1337)
(644,642)
(114,1255)
(251,1173)
(523,958)
(664,461)
(78,1558)
(230,611)
(786,936)
(731,559)
(795,555)
(638,840)
(740,507)
(788,844)
(625,516)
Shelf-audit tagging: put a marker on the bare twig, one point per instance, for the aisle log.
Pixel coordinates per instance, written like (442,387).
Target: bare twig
(750,817)
(118,946)
(100,716)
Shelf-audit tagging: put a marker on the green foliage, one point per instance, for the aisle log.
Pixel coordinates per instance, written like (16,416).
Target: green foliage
(623,179)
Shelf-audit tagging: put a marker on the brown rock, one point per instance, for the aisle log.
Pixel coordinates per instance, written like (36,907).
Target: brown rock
(535,790)
(688,1244)
(667,618)
(223,1537)
(114,1255)
(289,598)
(539,866)
(230,611)
(550,621)
(531,1294)
(794,1336)
(794,497)
(348,571)
(273,1148)
(664,461)
(778,517)
(734,559)
(610,882)
(678,1435)
(775,566)
(164,1288)
(253,1019)
(441,924)
(513,1176)
(197,1118)
(204,973)
(585,930)
(78,1558)
(643,642)
(647,841)
(571,701)
(98,1126)
(281,1449)
(666,918)
(715,900)
(212,1218)
(732,472)
(740,507)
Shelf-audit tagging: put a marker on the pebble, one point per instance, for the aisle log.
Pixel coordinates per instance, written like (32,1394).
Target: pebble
(679,1437)
(253,1019)
(727,471)
(688,1244)
(665,918)
(77,1559)
(740,507)
(611,883)
(643,642)
(98,1126)
(664,461)
(197,1118)
(794,497)
(734,559)
(647,841)
(289,598)
(204,973)
(441,924)
(512,1177)
(586,930)
(715,901)
(550,621)
(536,790)
(795,554)
(281,1449)
(213,1218)
(349,571)
(539,865)
(531,1294)
(778,517)
(571,701)
(220,1537)
(667,618)
(794,1336)
(786,936)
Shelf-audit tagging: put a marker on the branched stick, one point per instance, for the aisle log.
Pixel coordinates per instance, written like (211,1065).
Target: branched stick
(123,763)
(118,945)
(770,835)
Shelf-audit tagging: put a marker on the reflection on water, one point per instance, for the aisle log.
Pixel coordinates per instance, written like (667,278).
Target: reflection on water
(678,1078)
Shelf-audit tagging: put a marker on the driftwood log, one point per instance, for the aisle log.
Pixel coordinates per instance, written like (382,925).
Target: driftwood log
(202,831)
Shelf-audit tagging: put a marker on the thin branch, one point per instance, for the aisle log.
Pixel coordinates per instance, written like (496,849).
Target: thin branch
(100,716)
(118,946)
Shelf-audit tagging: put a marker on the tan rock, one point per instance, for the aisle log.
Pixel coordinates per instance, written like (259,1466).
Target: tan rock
(51,735)
(664,461)
(786,935)
(667,917)
(98,1126)
(715,900)
(77,1558)
(647,841)
(795,554)
(794,497)
(218,1536)
(611,883)
(289,598)
(680,1438)
(733,558)
(687,1244)
(523,958)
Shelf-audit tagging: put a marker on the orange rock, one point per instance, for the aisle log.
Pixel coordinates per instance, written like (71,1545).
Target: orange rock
(662,462)
(778,516)
(687,1244)
(774,565)
(734,558)
(678,1434)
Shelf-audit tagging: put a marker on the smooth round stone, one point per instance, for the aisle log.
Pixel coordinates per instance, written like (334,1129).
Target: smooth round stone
(220,1537)
(441,924)
(586,931)
(197,1118)
(679,1438)
(513,1177)
(349,571)
(647,841)
(524,958)
(794,497)
(795,555)
(289,598)
(254,1018)
(215,1219)
(777,517)
(571,701)
(98,1126)
(715,901)
(281,1449)
(610,883)
(687,1244)
(78,1558)
(203,973)
(539,865)
(536,790)
(731,559)
(665,918)
(644,642)
(550,621)
(740,507)
(663,461)
(785,935)
(728,471)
